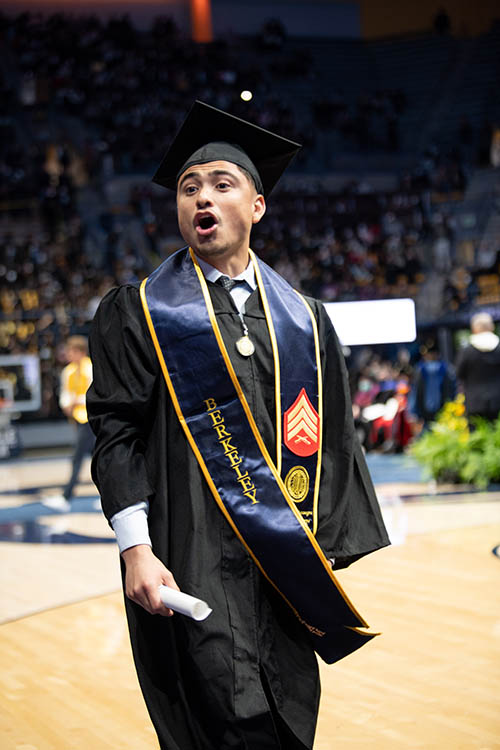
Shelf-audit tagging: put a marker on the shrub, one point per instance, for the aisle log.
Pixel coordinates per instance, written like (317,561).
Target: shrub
(453,453)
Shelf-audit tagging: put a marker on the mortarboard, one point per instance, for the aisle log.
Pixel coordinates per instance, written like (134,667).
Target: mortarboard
(209,134)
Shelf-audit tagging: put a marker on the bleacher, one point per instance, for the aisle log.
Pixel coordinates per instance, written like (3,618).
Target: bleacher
(104,216)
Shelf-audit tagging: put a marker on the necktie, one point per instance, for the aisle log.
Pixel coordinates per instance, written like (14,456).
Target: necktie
(227,283)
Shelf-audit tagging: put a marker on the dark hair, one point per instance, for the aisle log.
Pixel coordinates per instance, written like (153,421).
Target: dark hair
(78,342)
(249,177)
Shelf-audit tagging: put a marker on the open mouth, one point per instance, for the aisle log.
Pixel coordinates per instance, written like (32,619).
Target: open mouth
(206,224)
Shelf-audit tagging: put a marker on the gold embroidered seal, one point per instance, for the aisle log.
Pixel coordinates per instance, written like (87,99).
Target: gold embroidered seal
(297,483)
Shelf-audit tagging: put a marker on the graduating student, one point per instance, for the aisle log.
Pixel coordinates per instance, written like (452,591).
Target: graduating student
(227,462)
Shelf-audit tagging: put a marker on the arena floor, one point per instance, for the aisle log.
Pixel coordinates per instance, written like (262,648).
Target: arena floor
(431,680)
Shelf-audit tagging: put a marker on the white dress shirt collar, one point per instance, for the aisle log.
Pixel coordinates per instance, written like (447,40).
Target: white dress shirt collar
(212,274)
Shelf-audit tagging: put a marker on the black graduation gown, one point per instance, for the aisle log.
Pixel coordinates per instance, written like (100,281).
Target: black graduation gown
(209,685)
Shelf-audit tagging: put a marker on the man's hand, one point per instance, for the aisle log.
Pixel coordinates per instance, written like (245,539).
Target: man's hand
(144,574)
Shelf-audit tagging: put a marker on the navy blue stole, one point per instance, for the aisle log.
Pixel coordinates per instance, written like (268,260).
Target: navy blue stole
(271,506)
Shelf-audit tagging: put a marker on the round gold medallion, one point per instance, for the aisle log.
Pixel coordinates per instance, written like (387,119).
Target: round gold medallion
(297,483)
(245,346)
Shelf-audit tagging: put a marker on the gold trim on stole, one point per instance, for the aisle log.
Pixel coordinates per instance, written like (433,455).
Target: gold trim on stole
(277,376)
(326,563)
(274,346)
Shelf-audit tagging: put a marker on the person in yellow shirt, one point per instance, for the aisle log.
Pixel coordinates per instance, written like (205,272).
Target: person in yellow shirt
(76,378)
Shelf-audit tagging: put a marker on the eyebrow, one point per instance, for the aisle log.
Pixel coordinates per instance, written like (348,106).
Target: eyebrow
(213,173)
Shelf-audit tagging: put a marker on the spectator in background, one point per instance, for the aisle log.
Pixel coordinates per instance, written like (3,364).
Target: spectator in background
(442,24)
(75,381)
(434,384)
(478,369)
(495,148)
(273,34)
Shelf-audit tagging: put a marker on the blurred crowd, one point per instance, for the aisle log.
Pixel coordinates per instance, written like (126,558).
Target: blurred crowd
(395,398)
(87,101)
(334,246)
(121,92)
(113,94)
(372,121)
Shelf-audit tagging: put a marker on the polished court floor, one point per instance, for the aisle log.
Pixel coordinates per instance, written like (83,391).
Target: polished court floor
(431,680)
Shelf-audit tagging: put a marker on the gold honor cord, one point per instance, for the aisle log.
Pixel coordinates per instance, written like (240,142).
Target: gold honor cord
(320,410)
(312,539)
(361,632)
(274,345)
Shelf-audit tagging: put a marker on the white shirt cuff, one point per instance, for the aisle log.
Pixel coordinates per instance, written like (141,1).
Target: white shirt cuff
(131,526)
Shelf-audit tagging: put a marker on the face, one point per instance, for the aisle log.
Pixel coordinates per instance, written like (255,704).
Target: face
(74,354)
(217,205)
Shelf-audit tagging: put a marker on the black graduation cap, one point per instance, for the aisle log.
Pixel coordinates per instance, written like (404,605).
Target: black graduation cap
(209,134)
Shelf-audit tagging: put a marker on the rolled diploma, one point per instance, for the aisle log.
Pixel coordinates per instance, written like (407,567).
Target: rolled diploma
(184,603)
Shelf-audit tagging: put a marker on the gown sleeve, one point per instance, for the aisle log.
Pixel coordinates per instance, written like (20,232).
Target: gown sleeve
(120,401)
(350,523)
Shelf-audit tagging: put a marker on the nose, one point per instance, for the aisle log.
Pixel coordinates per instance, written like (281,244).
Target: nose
(203,196)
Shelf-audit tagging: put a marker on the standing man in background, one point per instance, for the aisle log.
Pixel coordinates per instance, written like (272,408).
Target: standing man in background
(478,369)
(227,461)
(434,384)
(76,378)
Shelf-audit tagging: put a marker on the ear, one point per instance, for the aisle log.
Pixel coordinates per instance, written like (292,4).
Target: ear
(259,208)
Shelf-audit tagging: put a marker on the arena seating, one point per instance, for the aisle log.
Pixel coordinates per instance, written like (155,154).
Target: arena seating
(89,108)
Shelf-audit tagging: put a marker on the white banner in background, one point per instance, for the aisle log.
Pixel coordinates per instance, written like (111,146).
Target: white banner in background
(385,321)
